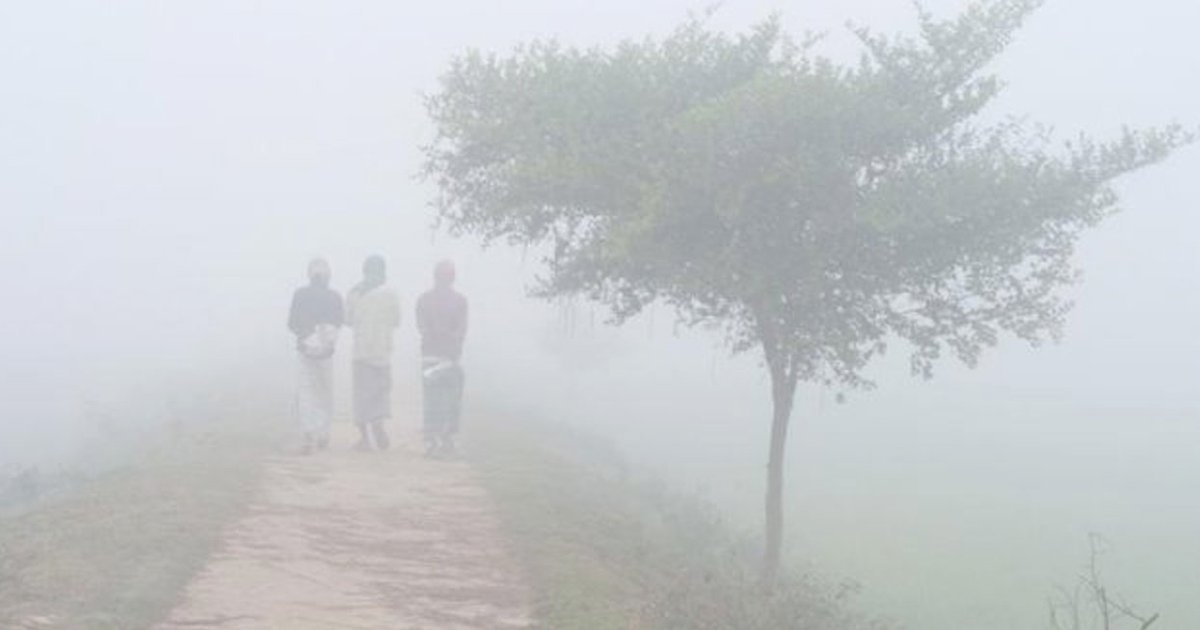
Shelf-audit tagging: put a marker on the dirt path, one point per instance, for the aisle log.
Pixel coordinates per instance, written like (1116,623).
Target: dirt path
(360,541)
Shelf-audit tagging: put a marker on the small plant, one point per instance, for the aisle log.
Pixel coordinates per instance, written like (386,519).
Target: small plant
(20,486)
(1090,604)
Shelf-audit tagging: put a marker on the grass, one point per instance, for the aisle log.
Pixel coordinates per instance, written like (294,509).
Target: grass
(606,551)
(577,585)
(116,552)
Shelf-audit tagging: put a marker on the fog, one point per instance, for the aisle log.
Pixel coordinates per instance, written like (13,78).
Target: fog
(166,170)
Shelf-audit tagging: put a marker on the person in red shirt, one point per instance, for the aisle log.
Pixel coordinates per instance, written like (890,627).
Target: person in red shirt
(442,322)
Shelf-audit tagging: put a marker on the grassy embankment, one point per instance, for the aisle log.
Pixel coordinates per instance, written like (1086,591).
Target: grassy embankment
(607,552)
(116,551)
(603,551)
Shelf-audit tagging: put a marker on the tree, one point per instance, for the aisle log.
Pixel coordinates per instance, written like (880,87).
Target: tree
(814,210)
(1090,600)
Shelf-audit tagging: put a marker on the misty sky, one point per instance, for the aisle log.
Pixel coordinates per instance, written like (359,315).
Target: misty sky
(167,168)
(199,150)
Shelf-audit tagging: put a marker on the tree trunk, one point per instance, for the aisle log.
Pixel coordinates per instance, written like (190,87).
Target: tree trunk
(783,393)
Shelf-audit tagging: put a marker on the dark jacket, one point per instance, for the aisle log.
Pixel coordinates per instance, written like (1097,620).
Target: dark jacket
(313,305)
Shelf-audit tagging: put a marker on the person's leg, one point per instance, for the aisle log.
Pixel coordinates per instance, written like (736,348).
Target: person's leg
(308,408)
(451,408)
(381,405)
(324,399)
(379,432)
(454,400)
(364,437)
(444,411)
(429,405)
(361,387)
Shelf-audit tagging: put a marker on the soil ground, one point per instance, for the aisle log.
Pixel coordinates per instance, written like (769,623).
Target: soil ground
(366,541)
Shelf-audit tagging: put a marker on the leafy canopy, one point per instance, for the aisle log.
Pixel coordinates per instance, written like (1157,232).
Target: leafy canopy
(815,208)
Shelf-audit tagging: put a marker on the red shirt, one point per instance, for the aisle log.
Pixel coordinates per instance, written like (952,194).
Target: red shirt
(442,321)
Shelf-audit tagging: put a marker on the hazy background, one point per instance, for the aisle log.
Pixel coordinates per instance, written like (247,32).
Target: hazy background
(166,169)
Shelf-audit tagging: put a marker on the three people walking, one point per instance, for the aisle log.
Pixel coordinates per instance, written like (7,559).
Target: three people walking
(372,311)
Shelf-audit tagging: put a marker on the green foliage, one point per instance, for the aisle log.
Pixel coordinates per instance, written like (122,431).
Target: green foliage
(813,208)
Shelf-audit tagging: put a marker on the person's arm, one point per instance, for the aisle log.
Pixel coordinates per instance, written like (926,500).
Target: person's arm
(339,311)
(457,332)
(351,308)
(422,316)
(461,333)
(394,307)
(294,314)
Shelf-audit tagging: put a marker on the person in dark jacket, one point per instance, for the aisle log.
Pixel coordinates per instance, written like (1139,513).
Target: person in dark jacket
(442,322)
(315,318)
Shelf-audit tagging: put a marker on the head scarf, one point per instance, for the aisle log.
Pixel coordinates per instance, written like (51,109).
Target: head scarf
(319,272)
(374,273)
(444,273)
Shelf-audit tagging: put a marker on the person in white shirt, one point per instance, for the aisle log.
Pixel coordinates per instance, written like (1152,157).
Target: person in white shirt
(373,313)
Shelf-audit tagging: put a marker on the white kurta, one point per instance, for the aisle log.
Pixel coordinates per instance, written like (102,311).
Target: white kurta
(314,387)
